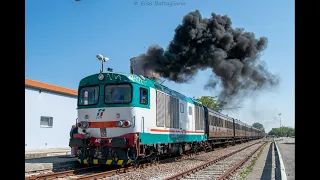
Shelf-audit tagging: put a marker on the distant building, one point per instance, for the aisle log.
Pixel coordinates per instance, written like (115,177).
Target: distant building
(50,111)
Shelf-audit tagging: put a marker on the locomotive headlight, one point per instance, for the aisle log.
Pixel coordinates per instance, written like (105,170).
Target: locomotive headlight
(126,123)
(84,124)
(119,123)
(101,77)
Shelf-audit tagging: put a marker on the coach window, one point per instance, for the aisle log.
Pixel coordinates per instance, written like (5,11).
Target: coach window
(143,96)
(190,110)
(181,108)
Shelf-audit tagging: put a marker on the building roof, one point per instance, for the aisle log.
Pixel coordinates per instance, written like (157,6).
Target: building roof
(50,87)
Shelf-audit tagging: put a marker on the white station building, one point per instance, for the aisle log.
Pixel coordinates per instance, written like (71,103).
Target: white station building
(50,111)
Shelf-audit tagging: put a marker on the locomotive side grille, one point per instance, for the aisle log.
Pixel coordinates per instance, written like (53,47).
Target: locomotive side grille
(171,106)
(199,115)
(196,114)
(167,111)
(161,110)
(201,118)
(175,112)
(177,120)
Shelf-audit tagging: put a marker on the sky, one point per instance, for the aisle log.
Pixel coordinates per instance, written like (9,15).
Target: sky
(62,38)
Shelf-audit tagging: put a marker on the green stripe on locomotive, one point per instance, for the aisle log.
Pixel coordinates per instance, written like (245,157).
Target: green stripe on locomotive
(148,138)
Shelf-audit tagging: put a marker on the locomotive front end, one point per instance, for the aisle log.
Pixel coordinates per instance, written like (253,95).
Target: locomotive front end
(106,121)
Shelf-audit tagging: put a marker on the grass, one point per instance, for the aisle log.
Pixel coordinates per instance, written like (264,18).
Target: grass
(245,172)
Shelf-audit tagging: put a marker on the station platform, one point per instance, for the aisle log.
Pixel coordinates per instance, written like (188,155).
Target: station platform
(287,150)
(38,153)
(264,166)
(49,163)
(48,159)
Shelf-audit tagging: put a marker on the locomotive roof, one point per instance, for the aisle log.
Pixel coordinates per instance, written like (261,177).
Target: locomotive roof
(119,77)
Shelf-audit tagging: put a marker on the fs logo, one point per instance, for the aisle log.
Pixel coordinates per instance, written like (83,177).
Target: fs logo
(100,113)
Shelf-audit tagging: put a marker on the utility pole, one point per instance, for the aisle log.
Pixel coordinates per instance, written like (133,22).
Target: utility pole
(280,124)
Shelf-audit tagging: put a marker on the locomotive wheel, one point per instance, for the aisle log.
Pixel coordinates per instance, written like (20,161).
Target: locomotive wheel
(132,154)
(154,159)
(195,148)
(212,146)
(180,151)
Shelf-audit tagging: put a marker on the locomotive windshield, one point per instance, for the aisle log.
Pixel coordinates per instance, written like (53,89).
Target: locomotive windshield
(118,94)
(88,96)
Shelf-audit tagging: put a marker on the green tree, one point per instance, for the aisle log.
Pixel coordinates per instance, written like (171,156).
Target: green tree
(284,131)
(258,126)
(274,132)
(211,102)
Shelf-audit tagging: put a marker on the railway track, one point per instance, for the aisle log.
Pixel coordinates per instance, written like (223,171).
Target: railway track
(91,172)
(220,168)
(63,174)
(105,171)
(164,171)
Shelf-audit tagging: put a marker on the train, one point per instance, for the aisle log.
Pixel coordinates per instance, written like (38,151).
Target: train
(124,118)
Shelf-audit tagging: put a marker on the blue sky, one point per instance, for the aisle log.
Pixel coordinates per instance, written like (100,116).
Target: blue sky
(63,37)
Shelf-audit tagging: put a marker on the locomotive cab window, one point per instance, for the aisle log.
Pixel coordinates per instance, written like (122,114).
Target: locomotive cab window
(143,96)
(117,93)
(88,95)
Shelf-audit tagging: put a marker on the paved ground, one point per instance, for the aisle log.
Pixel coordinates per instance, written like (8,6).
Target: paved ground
(48,159)
(287,150)
(49,163)
(37,153)
(264,166)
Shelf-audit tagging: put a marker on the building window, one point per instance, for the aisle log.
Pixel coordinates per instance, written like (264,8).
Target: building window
(190,110)
(143,96)
(181,108)
(46,122)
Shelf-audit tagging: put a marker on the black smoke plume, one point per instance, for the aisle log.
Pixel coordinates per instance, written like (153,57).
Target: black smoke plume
(200,43)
